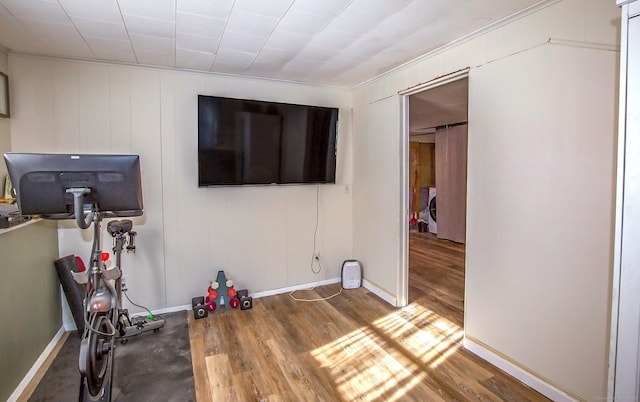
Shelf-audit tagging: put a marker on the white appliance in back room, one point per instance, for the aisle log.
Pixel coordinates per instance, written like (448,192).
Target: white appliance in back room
(431,207)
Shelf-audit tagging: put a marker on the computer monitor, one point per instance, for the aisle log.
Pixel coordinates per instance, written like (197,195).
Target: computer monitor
(41,181)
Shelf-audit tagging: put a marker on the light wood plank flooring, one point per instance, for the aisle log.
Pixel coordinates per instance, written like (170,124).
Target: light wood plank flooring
(352,347)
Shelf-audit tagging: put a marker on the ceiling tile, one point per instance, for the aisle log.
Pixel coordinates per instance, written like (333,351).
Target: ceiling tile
(316,53)
(165,59)
(88,27)
(194,60)
(119,52)
(274,56)
(230,56)
(152,44)
(404,22)
(199,25)
(153,9)
(300,65)
(333,39)
(242,42)
(271,8)
(286,41)
(147,26)
(212,9)
(336,63)
(51,31)
(21,38)
(36,10)
(296,21)
(324,7)
(228,68)
(256,24)
(108,45)
(266,70)
(381,7)
(197,43)
(104,10)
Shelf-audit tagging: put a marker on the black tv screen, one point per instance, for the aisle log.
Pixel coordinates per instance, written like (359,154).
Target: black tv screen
(244,141)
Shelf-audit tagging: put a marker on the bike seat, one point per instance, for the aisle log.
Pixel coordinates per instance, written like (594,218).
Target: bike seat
(119,227)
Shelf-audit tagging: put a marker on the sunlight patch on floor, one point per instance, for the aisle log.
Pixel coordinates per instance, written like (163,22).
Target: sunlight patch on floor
(389,356)
(427,336)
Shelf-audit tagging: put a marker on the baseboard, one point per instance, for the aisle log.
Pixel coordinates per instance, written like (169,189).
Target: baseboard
(33,371)
(515,371)
(288,289)
(379,292)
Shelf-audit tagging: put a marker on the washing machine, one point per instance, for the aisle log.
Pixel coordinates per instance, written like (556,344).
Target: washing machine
(431,207)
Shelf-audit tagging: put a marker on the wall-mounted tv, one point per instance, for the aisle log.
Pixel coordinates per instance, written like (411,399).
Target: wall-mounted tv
(250,142)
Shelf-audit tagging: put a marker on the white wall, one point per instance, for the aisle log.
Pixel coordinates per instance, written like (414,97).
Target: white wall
(540,187)
(262,237)
(5,132)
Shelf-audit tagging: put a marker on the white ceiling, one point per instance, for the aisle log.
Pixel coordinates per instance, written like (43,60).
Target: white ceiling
(329,42)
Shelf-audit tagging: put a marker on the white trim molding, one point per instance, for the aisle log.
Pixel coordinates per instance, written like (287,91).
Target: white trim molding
(379,292)
(288,289)
(517,372)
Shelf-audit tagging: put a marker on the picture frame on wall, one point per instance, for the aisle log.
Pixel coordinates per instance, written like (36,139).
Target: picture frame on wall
(4,95)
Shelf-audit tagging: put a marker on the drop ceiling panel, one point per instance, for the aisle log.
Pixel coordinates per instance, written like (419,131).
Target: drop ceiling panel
(200,25)
(104,10)
(151,27)
(332,38)
(156,58)
(106,45)
(286,41)
(231,56)
(44,11)
(324,7)
(317,53)
(300,21)
(106,29)
(271,8)
(243,42)
(213,9)
(274,56)
(194,60)
(153,9)
(152,44)
(251,23)
(197,43)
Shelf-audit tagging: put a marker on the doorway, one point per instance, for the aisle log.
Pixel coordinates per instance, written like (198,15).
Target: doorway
(434,184)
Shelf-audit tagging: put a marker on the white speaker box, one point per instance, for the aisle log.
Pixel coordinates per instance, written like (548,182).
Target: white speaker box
(351,274)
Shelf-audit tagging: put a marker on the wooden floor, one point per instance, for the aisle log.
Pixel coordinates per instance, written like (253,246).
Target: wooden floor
(354,346)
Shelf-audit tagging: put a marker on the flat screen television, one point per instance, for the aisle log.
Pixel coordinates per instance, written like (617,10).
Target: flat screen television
(42,180)
(250,142)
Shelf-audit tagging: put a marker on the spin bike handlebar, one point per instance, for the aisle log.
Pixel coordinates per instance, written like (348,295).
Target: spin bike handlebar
(83,221)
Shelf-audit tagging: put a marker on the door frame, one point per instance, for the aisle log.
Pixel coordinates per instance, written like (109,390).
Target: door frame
(624,351)
(402,296)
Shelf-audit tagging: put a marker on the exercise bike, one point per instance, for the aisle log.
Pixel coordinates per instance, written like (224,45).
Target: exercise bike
(105,318)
